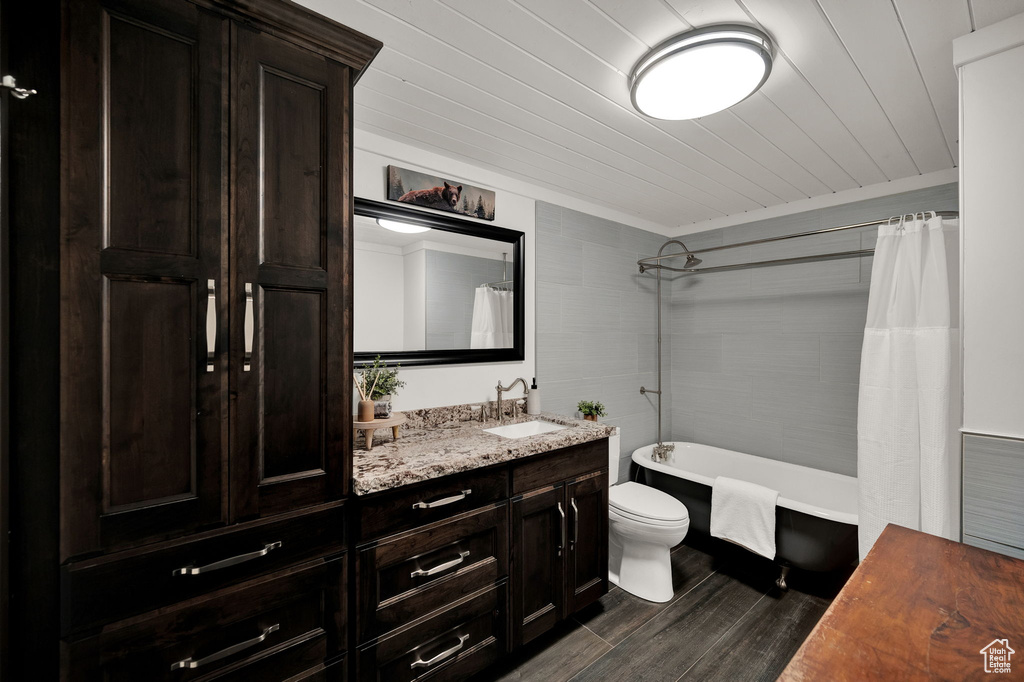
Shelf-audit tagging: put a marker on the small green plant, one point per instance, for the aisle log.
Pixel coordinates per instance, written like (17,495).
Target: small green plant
(377,381)
(591,407)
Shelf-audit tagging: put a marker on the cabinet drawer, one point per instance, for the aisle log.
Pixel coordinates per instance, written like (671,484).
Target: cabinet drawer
(335,672)
(104,590)
(570,462)
(407,576)
(452,645)
(415,505)
(269,628)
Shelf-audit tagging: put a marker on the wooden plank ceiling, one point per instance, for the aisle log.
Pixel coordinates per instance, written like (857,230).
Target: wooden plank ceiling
(862,92)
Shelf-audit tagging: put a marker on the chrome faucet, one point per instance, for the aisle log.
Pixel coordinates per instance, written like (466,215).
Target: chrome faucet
(501,389)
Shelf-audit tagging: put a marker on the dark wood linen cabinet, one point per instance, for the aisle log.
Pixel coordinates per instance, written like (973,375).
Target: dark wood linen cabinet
(143,444)
(205,340)
(207,301)
(291,277)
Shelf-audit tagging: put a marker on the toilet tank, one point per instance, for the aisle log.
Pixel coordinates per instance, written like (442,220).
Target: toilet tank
(613,457)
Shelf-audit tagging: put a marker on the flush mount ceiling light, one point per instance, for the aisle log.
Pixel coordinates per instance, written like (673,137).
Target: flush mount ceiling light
(701,71)
(397,226)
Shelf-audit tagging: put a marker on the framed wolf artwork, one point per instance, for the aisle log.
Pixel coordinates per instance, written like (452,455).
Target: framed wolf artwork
(430,191)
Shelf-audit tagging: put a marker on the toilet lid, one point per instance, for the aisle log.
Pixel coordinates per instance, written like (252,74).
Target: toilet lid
(647,502)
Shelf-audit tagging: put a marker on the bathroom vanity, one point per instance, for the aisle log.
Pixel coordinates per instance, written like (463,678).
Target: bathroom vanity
(468,544)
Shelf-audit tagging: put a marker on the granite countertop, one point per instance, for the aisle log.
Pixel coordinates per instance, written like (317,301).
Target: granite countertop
(443,441)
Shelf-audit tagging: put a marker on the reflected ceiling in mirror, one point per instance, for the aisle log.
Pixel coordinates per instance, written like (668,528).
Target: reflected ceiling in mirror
(434,289)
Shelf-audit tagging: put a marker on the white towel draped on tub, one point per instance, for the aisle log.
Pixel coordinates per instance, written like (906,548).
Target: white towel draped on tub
(492,319)
(744,513)
(908,470)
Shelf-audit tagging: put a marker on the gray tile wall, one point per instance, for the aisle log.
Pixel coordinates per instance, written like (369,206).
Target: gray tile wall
(767,361)
(994,494)
(450,285)
(596,322)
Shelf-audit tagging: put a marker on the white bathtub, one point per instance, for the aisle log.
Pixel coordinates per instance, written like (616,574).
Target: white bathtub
(816,519)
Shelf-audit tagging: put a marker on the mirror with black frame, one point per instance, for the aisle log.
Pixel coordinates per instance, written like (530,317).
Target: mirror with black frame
(429,289)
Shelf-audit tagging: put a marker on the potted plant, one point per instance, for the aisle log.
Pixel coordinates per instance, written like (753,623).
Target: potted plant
(379,384)
(591,409)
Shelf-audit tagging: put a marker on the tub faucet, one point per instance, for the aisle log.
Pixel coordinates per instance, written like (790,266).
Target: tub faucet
(501,389)
(662,452)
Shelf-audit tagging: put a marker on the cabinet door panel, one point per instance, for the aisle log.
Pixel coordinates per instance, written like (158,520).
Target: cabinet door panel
(151,435)
(151,74)
(291,227)
(587,569)
(292,212)
(143,437)
(293,383)
(538,548)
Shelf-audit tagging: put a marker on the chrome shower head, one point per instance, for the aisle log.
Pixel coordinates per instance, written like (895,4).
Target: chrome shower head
(691,260)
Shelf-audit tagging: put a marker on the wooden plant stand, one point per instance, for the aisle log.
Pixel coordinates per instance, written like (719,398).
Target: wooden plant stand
(394,421)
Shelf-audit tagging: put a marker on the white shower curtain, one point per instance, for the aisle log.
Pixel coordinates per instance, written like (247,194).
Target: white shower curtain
(492,319)
(908,462)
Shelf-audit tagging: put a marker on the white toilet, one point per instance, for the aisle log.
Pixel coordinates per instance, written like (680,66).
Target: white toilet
(644,524)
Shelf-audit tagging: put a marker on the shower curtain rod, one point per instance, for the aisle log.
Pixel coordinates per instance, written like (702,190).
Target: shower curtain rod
(654,262)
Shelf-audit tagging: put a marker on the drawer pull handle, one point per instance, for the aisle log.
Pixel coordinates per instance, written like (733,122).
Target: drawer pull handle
(562,524)
(443,501)
(440,567)
(575,524)
(447,653)
(248,329)
(224,563)
(211,323)
(224,653)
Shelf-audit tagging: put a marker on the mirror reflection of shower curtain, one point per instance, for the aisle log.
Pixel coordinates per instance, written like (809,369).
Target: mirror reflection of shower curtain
(492,319)
(908,464)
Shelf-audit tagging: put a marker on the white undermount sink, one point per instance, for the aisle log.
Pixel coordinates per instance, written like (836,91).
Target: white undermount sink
(524,429)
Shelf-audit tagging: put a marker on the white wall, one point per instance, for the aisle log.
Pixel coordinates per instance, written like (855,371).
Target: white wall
(379,275)
(991,68)
(452,384)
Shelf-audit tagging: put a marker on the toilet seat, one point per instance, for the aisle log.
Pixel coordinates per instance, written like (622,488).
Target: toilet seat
(644,504)
(645,522)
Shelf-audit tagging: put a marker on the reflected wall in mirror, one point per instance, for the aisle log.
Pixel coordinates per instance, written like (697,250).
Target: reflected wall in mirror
(433,289)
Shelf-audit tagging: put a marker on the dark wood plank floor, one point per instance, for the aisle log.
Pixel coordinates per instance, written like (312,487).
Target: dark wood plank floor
(727,621)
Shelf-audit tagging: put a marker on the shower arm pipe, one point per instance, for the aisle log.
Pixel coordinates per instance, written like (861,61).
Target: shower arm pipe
(654,262)
(839,255)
